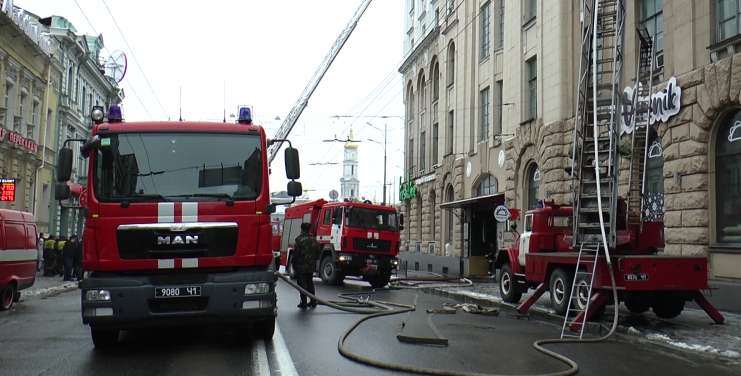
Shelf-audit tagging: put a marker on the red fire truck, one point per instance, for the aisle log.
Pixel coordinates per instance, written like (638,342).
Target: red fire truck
(178,225)
(358,239)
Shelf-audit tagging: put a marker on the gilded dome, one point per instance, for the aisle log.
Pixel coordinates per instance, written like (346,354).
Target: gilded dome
(350,144)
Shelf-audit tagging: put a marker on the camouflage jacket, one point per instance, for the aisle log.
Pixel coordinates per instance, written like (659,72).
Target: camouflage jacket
(305,254)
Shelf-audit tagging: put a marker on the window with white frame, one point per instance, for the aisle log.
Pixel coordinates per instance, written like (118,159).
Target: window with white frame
(487,186)
(422,150)
(532,8)
(532,82)
(501,23)
(434,143)
(451,65)
(451,119)
(34,111)
(727,18)
(652,18)
(484,111)
(485,20)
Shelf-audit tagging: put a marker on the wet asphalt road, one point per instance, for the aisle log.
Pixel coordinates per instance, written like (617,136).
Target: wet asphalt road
(46,337)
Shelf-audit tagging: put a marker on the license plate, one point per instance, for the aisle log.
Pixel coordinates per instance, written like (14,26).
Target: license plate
(636,277)
(177,292)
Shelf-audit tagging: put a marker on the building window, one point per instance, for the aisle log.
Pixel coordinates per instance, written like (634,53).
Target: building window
(501,23)
(84,101)
(451,7)
(23,103)
(451,119)
(34,110)
(484,111)
(532,82)
(8,88)
(532,8)
(449,198)
(434,143)
(436,82)
(728,180)
(500,107)
(433,225)
(727,14)
(411,155)
(419,217)
(422,149)
(652,18)
(451,65)
(533,186)
(485,30)
(487,186)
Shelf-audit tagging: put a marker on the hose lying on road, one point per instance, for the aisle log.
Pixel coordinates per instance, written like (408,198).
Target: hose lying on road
(353,304)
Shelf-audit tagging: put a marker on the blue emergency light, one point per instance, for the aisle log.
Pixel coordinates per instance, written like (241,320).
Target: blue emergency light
(540,204)
(114,114)
(245,115)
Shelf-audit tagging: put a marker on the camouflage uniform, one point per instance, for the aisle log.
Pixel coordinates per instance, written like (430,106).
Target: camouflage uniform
(305,253)
(491,256)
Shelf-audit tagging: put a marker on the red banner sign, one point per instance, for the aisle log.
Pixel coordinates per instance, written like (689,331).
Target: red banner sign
(19,140)
(7,190)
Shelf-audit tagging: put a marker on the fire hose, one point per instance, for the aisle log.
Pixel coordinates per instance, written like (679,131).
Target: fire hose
(352,304)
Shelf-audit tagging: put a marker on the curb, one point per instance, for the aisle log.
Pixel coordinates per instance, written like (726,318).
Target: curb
(51,291)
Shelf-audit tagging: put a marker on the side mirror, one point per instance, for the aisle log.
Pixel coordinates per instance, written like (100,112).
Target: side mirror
(293,168)
(401,227)
(85,212)
(269,209)
(93,143)
(294,188)
(64,165)
(401,221)
(513,227)
(61,191)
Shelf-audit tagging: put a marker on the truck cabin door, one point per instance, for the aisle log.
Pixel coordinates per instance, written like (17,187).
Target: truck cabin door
(336,234)
(525,239)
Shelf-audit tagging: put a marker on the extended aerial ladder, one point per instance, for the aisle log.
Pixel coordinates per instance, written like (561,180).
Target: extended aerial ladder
(303,99)
(596,136)
(641,108)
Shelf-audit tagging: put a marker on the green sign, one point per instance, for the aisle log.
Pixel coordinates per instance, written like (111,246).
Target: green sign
(407,190)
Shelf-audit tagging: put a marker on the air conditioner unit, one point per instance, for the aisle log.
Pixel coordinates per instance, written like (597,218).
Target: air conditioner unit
(659,61)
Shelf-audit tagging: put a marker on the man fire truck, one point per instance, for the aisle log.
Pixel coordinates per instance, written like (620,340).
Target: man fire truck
(358,239)
(178,228)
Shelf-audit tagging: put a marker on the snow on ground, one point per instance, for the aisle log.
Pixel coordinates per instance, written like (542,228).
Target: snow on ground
(44,286)
(692,331)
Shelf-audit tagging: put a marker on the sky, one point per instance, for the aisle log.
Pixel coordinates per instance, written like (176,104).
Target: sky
(222,54)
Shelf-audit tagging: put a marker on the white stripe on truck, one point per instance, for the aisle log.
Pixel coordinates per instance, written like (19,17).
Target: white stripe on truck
(166,212)
(190,212)
(166,264)
(19,255)
(190,263)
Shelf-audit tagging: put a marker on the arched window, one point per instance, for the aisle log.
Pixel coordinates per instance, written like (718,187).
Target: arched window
(436,82)
(451,64)
(533,186)
(449,198)
(728,180)
(410,101)
(654,198)
(487,186)
(433,200)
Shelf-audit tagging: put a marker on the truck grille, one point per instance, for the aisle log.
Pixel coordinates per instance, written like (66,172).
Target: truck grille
(139,244)
(371,245)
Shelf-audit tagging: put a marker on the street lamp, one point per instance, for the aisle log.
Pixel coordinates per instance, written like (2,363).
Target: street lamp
(384,156)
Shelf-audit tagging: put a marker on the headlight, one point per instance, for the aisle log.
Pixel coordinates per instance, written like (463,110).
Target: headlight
(97,295)
(345,258)
(395,262)
(256,288)
(97,113)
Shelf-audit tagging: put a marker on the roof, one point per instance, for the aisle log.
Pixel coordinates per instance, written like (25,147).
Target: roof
(186,126)
(15,215)
(496,199)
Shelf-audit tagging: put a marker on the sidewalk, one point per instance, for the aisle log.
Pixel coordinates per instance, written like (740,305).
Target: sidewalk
(692,331)
(47,286)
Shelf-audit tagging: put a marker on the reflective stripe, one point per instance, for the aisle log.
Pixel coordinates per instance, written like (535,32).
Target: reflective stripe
(19,255)
(166,264)
(190,263)
(190,212)
(166,212)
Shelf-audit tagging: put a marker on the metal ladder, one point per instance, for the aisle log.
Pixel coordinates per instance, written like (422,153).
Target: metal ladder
(641,119)
(596,132)
(581,291)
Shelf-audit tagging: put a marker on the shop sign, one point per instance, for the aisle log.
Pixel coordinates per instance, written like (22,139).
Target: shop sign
(25,22)
(664,104)
(407,190)
(19,140)
(501,213)
(7,190)
(425,179)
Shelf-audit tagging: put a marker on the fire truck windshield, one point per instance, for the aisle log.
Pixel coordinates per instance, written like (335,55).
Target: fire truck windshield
(177,166)
(371,219)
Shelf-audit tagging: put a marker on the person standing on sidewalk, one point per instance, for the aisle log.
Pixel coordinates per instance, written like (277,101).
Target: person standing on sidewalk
(305,253)
(77,264)
(70,250)
(50,256)
(491,256)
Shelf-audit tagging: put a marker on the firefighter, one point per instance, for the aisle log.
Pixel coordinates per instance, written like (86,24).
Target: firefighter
(491,255)
(305,254)
(50,256)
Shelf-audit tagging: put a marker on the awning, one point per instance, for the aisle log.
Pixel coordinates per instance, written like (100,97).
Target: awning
(495,199)
(75,188)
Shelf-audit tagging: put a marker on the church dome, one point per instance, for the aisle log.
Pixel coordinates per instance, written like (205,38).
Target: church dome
(350,144)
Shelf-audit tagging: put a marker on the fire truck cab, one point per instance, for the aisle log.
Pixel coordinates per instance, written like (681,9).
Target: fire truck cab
(358,239)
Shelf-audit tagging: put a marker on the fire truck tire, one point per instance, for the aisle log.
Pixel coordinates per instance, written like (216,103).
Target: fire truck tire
(264,329)
(381,279)
(508,285)
(7,297)
(668,308)
(637,306)
(330,272)
(103,339)
(560,289)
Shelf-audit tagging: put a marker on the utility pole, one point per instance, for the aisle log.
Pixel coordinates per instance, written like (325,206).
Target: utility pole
(384,163)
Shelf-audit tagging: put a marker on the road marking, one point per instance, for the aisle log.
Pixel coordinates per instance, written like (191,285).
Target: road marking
(260,364)
(285,365)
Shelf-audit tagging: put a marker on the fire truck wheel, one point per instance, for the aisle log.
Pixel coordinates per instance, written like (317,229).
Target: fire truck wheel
(103,339)
(637,306)
(330,273)
(381,279)
(264,329)
(668,308)
(7,296)
(561,284)
(508,285)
